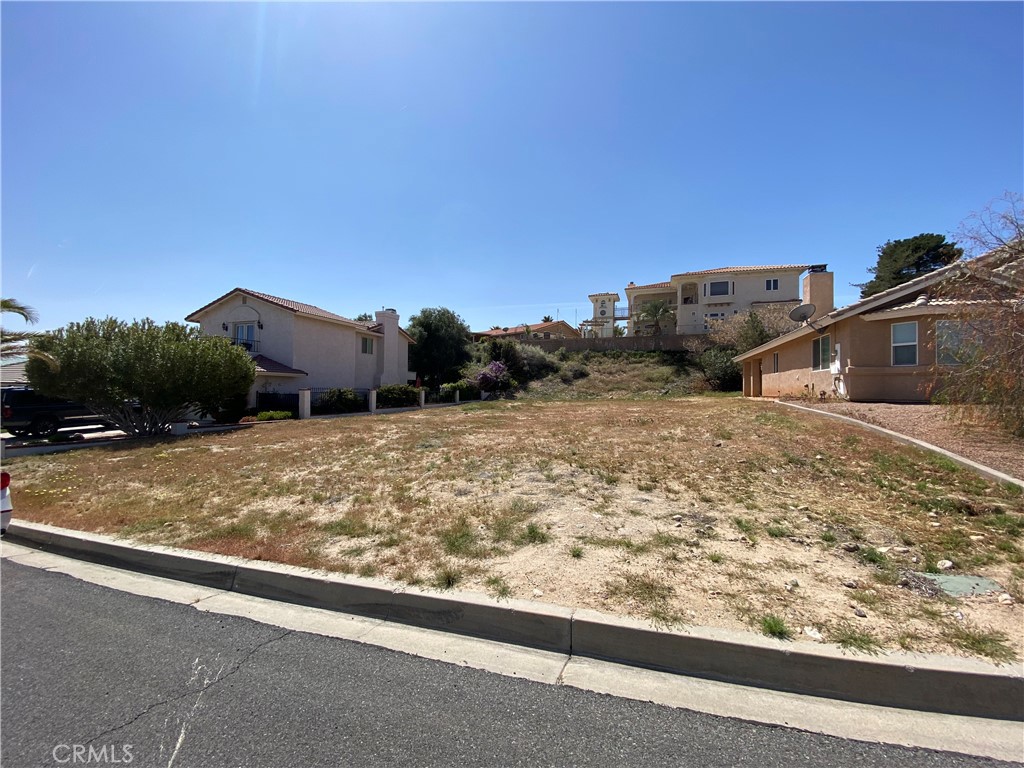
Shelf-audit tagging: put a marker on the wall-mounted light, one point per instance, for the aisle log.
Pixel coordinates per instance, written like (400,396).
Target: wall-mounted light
(224,327)
(259,324)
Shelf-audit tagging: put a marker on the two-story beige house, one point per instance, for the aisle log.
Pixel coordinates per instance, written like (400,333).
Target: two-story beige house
(697,299)
(894,346)
(296,345)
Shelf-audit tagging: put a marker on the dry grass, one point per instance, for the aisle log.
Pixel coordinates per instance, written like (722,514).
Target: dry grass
(492,497)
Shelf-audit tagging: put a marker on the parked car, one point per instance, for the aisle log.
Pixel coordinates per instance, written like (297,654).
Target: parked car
(6,507)
(26,412)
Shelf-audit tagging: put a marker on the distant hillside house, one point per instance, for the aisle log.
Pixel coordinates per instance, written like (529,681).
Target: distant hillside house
(699,298)
(296,345)
(890,347)
(557,329)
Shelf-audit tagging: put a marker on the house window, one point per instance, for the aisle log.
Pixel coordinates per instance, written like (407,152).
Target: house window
(904,343)
(367,345)
(821,353)
(949,343)
(245,335)
(718,288)
(775,362)
(771,285)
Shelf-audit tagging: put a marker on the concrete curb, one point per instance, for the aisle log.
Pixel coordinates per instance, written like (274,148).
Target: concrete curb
(906,681)
(981,469)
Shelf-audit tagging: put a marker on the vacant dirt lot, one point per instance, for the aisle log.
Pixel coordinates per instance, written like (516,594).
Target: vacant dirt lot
(721,512)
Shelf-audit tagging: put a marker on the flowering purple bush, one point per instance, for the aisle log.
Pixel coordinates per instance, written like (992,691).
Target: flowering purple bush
(494,378)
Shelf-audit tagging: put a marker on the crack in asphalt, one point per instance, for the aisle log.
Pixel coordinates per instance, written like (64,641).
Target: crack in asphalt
(206,686)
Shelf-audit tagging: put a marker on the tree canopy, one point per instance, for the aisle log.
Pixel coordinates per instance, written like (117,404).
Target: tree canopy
(141,376)
(656,311)
(442,345)
(900,261)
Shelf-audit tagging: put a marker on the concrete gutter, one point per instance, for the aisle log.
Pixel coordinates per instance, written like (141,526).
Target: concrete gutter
(981,469)
(903,680)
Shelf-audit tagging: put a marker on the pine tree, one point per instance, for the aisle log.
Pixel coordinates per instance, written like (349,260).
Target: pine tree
(900,261)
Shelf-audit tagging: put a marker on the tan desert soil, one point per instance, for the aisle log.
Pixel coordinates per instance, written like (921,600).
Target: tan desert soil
(697,511)
(934,424)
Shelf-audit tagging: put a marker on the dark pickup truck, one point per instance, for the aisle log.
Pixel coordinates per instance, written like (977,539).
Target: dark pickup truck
(26,412)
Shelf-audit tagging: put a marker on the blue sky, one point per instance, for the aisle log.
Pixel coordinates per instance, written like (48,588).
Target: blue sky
(501,160)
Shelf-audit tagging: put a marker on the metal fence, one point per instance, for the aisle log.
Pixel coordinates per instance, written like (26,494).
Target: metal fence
(318,405)
(275,401)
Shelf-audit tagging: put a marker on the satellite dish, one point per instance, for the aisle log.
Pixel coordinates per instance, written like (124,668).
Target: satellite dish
(802,313)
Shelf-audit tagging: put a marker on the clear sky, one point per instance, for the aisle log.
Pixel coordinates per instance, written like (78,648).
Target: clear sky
(503,160)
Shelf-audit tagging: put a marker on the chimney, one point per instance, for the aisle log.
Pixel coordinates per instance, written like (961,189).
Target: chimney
(818,289)
(390,368)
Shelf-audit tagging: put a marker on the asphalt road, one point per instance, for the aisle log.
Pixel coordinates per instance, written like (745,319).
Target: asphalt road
(143,682)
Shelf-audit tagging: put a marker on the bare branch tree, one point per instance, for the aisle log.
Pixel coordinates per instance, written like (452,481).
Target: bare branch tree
(980,354)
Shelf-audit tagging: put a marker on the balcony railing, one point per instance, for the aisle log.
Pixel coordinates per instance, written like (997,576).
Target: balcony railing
(249,344)
(622,313)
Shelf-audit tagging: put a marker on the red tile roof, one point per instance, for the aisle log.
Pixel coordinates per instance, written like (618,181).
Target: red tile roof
(765,268)
(265,364)
(666,284)
(520,329)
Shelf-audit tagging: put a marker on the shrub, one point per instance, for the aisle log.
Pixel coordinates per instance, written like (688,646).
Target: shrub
(273,415)
(572,371)
(495,378)
(467,389)
(397,396)
(721,372)
(536,363)
(509,354)
(339,401)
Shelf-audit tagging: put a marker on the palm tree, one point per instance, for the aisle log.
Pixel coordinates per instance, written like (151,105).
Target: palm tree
(19,343)
(657,311)
(547,319)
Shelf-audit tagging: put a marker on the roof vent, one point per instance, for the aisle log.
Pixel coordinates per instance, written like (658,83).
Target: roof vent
(921,300)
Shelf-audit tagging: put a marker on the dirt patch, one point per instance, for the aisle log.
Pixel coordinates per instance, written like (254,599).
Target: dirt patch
(938,425)
(720,512)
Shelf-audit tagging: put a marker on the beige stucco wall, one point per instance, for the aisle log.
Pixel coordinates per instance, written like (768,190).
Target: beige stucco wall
(274,339)
(330,353)
(687,296)
(865,357)
(604,303)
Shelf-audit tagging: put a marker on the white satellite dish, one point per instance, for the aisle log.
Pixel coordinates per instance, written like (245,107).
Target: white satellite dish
(802,313)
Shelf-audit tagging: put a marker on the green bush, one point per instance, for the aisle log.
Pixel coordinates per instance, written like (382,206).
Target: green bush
(509,354)
(536,363)
(722,374)
(273,415)
(468,390)
(397,396)
(572,371)
(339,401)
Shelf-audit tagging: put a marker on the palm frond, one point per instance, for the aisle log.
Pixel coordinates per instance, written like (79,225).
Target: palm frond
(15,307)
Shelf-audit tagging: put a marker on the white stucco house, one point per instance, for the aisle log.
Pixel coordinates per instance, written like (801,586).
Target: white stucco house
(697,299)
(297,346)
